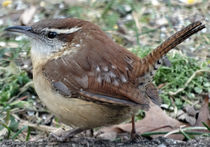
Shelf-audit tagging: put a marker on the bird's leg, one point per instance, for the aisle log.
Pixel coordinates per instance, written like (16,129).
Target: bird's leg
(65,135)
(133,130)
(134,135)
(91,132)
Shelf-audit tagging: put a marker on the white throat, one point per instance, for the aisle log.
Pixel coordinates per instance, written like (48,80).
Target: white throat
(42,51)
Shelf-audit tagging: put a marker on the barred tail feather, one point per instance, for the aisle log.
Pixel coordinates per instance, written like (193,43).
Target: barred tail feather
(151,60)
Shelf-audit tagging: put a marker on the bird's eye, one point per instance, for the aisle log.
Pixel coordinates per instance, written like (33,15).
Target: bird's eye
(51,35)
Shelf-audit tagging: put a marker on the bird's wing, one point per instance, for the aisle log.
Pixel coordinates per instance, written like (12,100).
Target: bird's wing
(104,76)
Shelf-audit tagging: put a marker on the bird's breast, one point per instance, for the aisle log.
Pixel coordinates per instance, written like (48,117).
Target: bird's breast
(77,112)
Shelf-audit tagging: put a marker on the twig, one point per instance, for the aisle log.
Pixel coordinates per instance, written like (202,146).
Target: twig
(146,134)
(188,81)
(135,17)
(3,68)
(206,38)
(186,100)
(23,89)
(43,128)
(185,134)
(184,129)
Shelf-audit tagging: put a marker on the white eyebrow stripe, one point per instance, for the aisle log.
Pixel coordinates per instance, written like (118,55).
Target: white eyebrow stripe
(63,31)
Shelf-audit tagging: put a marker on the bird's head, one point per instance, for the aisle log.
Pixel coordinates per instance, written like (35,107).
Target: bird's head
(53,35)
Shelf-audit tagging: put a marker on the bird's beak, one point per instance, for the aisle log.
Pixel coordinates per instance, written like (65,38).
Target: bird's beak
(19,29)
(27,30)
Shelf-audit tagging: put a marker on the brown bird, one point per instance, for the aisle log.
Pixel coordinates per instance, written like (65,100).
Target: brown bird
(87,80)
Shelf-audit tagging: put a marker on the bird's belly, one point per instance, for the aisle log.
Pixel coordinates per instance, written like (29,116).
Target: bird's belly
(80,113)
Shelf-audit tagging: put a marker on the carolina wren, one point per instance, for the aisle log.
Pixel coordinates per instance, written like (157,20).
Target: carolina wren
(86,79)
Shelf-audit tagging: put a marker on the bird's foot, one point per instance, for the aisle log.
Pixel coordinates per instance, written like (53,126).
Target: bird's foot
(135,137)
(65,135)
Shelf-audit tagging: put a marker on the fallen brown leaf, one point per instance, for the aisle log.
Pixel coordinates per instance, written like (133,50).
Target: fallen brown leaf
(28,15)
(204,114)
(188,115)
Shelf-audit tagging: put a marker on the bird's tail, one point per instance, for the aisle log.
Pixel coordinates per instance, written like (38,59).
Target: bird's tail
(156,55)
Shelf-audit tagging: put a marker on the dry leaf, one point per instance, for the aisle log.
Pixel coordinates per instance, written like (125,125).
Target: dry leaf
(27,15)
(204,114)
(188,115)
(3,133)
(190,110)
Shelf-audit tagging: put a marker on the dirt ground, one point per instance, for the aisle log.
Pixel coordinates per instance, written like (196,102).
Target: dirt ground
(160,141)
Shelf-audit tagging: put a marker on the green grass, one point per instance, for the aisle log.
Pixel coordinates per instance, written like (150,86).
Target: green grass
(13,86)
(177,75)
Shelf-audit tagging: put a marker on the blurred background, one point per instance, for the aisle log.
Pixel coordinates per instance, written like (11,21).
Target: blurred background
(138,25)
